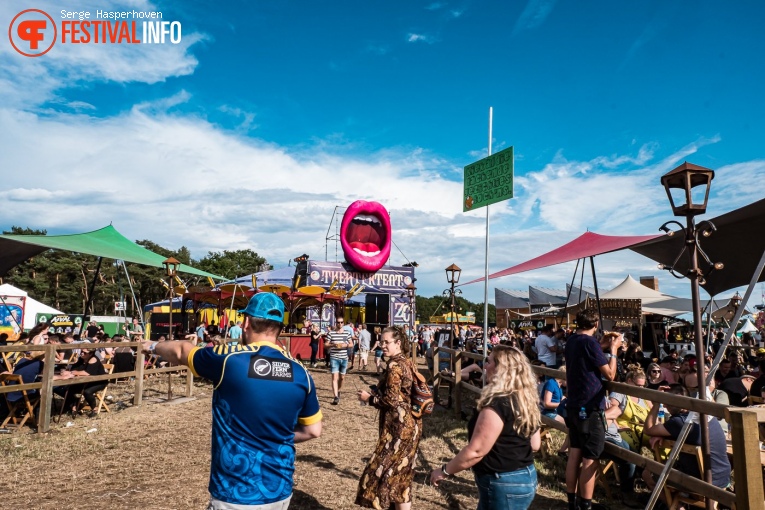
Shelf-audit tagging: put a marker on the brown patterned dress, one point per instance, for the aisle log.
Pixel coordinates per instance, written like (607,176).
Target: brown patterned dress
(387,479)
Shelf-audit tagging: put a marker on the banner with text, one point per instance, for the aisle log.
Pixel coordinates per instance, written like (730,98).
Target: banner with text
(488,181)
(388,279)
(61,323)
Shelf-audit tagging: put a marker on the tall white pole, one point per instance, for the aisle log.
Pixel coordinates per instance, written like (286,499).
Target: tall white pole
(486,266)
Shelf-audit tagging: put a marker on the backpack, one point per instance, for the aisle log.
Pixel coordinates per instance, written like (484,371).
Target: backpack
(422,395)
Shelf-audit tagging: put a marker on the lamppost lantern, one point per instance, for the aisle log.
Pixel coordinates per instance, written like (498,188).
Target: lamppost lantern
(171,266)
(736,300)
(687,188)
(453,274)
(171,269)
(411,290)
(693,181)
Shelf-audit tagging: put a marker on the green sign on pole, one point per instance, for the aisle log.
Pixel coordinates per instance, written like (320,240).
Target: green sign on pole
(489,180)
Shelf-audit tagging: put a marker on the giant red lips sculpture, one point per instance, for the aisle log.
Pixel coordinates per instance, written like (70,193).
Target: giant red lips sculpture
(365,235)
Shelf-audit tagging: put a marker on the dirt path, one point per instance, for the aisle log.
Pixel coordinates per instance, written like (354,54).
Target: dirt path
(157,457)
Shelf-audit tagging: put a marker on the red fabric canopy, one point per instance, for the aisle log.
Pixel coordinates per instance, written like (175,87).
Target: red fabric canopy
(588,244)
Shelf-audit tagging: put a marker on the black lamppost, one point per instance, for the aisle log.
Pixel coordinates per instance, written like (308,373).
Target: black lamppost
(171,269)
(411,293)
(694,182)
(453,277)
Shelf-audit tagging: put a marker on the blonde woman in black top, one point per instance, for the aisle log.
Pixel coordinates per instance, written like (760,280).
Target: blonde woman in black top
(503,434)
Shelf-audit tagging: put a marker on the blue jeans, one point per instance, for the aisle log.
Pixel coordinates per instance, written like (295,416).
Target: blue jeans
(514,490)
(338,365)
(626,470)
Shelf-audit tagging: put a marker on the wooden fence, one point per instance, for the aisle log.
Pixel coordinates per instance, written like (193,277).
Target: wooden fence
(744,422)
(47,384)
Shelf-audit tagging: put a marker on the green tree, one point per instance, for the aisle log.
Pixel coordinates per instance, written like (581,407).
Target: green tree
(439,305)
(232,264)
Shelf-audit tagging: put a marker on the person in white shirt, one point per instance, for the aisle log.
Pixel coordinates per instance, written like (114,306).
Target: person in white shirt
(365,341)
(546,347)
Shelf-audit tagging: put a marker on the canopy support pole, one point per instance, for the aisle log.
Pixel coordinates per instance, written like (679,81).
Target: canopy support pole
(709,376)
(132,293)
(597,293)
(86,313)
(570,290)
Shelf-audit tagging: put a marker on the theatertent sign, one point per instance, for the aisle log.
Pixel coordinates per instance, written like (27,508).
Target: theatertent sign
(387,280)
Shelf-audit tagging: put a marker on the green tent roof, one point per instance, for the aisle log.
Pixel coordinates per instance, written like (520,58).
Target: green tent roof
(105,242)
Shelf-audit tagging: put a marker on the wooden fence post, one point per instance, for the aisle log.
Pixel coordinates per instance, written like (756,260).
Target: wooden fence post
(189,382)
(46,392)
(457,388)
(138,378)
(747,466)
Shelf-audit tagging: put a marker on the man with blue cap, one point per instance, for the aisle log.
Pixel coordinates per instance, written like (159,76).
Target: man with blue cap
(263,403)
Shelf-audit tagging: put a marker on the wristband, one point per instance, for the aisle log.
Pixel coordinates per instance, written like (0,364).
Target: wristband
(609,356)
(445,472)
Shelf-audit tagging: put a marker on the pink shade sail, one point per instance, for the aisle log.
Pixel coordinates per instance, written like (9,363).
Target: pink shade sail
(588,244)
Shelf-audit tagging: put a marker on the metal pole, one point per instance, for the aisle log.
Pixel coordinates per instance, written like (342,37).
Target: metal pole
(597,294)
(170,289)
(486,267)
(132,293)
(451,317)
(86,313)
(690,241)
(715,364)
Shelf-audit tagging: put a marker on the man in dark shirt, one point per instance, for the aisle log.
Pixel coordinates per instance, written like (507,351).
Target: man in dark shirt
(759,384)
(92,330)
(738,389)
(585,364)
(686,462)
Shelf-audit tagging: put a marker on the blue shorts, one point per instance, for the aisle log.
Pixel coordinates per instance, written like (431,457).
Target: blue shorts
(338,365)
(550,413)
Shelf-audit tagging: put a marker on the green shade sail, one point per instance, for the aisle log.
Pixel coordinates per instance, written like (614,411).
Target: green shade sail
(106,242)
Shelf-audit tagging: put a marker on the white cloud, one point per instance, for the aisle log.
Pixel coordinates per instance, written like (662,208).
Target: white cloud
(412,37)
(248,118)
(80,105)
(534,15)
(180,180)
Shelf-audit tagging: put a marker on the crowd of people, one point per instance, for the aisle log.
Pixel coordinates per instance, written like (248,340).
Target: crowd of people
(503,432)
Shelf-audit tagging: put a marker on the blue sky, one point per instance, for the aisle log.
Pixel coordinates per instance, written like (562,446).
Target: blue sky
(270,114)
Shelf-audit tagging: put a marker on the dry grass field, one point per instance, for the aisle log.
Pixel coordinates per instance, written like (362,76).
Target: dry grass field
(157,457)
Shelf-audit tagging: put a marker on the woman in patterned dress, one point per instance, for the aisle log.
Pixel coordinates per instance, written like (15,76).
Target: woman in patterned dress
(387,479)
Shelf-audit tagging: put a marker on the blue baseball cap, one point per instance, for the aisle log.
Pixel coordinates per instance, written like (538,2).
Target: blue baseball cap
(265,305)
